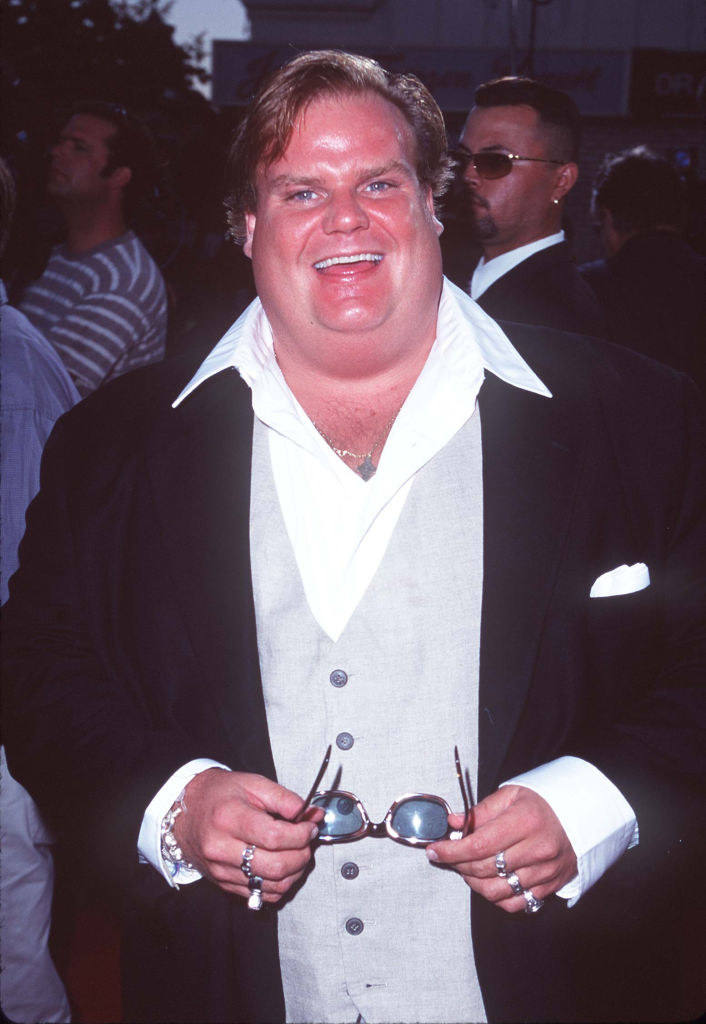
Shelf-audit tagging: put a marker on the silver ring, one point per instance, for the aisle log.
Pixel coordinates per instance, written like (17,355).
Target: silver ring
(533,904)
(500,865)
(255,900)
(248,854)
(515,884)
(254,881)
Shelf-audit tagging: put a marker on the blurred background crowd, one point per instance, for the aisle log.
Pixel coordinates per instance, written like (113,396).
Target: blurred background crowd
(635,80)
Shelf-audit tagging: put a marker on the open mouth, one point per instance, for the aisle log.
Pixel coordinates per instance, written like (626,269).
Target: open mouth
(359,257)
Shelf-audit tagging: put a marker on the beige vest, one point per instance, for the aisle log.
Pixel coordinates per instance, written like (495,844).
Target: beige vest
(377,933)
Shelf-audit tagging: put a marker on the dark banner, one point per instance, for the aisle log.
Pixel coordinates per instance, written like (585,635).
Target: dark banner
(667,83)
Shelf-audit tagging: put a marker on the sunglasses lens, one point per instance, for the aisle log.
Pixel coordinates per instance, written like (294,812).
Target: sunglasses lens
(342,816)
(492,165)
(420,818)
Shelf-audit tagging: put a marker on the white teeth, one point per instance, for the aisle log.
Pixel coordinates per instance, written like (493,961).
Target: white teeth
(360,257)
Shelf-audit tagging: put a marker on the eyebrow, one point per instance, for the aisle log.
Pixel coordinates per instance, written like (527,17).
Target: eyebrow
(394,166)
(66,137)
(285,180)
(496,147)
(305,180)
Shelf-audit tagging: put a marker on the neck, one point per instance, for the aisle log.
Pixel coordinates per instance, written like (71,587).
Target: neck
(352,408)
(88,228)
(354,412)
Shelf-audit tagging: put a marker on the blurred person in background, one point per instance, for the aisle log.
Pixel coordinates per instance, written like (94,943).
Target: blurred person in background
(101,300)
(651,284)
(518,156)
(35,389)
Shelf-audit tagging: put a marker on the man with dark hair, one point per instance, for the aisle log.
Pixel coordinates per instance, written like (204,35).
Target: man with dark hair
(652,285)
(518,156)
(368,522)
(101,300)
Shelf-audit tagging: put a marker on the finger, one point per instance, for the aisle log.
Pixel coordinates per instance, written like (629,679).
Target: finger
(485,868)
(518,904)
(236,881)
(504,898)
(544,851)
(225,861)
(241,823)
(506,818)
(276,869)
(271,797)
(472,852)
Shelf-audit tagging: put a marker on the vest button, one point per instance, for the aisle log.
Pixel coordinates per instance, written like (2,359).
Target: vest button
(354,926)
(350,870)
(338,678)
(344,741)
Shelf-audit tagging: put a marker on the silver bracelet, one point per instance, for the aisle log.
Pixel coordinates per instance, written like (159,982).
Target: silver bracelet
(172,853)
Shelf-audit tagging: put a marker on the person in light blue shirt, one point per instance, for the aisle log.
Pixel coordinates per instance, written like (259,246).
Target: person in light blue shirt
(35,390)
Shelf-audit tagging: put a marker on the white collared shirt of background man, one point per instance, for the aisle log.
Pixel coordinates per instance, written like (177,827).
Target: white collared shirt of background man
(487,272)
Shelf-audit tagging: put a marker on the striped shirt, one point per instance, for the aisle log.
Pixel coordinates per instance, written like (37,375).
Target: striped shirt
(104,311)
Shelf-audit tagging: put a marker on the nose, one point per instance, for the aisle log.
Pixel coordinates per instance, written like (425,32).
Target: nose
(345,212)
(471,175)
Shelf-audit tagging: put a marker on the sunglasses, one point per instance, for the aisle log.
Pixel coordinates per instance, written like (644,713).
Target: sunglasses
(492,165)
(415,819)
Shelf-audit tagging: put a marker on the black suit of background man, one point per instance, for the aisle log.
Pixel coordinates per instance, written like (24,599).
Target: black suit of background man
(652,285)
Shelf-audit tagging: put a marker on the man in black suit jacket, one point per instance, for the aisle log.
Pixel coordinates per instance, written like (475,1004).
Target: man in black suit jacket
(652,285)
(133,648)
(518,154)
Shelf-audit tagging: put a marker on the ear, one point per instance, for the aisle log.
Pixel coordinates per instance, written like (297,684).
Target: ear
(565,180)
(120,177)
(250,219)
(612,238)
(429,202)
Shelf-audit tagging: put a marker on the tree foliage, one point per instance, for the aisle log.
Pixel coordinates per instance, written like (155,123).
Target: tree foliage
(55,52)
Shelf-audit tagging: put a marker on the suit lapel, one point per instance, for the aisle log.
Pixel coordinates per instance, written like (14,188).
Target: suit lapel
(523,275)
(530,473)
(199,469)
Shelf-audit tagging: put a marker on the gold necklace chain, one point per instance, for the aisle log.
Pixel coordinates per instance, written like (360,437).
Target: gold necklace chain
(367,467)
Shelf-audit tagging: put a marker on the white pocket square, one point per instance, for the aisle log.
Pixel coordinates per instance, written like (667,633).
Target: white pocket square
(626,579)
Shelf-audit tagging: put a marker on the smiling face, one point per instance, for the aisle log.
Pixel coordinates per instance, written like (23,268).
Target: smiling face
(519,208)
(344,242)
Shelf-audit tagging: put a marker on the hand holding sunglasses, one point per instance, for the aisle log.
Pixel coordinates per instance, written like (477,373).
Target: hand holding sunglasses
(415,819)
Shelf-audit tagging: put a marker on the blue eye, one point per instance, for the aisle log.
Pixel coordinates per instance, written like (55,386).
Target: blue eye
(303,196)
(379,186)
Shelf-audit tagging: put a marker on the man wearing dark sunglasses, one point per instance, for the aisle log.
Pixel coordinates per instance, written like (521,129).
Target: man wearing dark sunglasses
(517,159)
(469,568)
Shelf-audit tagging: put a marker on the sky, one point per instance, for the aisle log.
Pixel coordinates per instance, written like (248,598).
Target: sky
(219,19)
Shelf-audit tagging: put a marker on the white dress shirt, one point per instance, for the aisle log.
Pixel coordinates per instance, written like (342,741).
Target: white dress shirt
(339,527)
(487,272)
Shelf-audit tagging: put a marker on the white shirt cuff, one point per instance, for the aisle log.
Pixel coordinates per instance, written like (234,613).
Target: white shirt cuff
(596,817)
(149,841)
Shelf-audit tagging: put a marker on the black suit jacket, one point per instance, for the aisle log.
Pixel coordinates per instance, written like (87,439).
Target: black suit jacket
(131,649)
(546,289)
(653,296)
